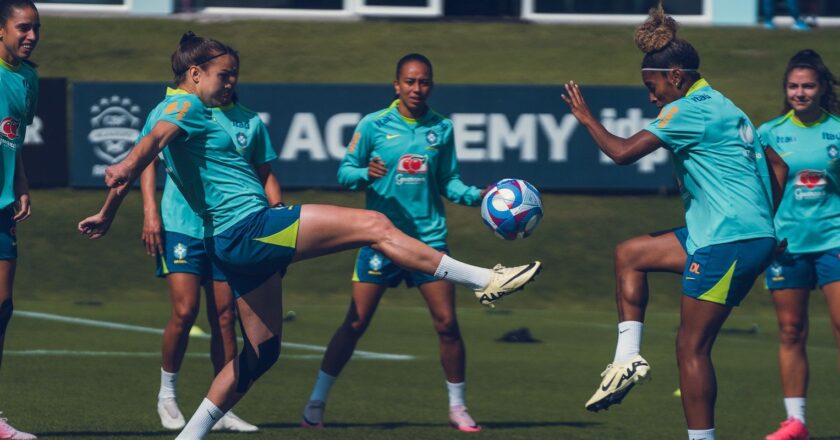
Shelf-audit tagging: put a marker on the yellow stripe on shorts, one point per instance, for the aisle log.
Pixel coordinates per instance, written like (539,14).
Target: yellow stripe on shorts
(286,238)
(720,291)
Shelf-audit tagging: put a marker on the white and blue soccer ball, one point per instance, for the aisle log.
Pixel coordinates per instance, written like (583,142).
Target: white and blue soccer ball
(512,209)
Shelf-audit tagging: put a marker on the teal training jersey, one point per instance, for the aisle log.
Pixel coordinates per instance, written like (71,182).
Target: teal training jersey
(809,215)
(722,183)
(18,98)
(421,163)
(205,163)
(253,143)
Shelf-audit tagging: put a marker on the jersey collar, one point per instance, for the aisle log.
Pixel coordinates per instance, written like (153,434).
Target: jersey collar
(8,66)
(793,119)
(170,91)
(395,108)
(699,84)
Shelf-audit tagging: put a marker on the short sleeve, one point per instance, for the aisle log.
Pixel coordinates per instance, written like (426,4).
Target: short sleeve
(263,150)
(187,112)
(679,126)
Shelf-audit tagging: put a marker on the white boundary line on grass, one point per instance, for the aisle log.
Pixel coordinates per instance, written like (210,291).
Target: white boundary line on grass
(127,354)
(142,329)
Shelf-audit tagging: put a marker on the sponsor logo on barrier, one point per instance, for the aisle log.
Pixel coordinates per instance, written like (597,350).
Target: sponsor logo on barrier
(115,126)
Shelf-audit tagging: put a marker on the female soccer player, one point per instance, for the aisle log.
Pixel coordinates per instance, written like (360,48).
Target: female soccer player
(20,28)
(728,239)
(404,158)
(808,219)
(184,261)
(251,242)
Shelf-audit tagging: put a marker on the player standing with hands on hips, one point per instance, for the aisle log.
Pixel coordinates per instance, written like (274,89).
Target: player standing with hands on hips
(252,242)
(808,220)
(728,239)
(404,159)
(20,28)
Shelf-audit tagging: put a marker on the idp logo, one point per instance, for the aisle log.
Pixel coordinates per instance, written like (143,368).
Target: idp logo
(115,126)
(9,128)
(810,179)
(412,164)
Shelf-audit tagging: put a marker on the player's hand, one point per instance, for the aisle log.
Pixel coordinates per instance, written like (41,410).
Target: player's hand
(376,168)
(95,226)
(118,177)
(577,104)
(152,234)
(23,208)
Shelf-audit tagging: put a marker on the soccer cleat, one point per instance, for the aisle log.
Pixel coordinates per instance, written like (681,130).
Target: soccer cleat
(460,419)
(506,280)
(313,414)
(790,429)
(232,422)
(9,432)
(800,25)
(618,380)
(170,415)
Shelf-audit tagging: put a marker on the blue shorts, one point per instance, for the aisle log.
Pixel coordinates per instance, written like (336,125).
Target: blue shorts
(8,234)
(724,273)
(185,254)
(803,271)
(256,247)
(373,267)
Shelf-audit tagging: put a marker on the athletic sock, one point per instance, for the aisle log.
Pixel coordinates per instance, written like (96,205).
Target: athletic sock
(200,423)
(453,270)
(322,387)
(168,381)
(795,407)
(456,393)
(701,434)
(629,340)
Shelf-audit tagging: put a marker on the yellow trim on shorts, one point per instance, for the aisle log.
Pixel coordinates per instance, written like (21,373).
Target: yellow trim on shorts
(355,278)
(720,291)
(286,238)
(164,269)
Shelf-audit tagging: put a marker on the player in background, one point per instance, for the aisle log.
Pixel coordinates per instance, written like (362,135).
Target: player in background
(251,242)
(807,137)
(728,239)
(20,28)
(404,158)
(177,242)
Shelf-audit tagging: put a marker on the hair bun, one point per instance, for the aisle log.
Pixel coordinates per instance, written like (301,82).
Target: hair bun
(188,35)
(806,56)
(657,31)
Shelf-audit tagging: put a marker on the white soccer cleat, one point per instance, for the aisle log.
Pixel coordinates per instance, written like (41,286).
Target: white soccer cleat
(506,280)
(461,420)
(618,380)
(170,415)
(313,414)
(8,431)
(232,422)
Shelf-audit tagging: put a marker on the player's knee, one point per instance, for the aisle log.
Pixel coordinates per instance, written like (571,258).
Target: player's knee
(356,327)
(6,309)
(225,317)
(253,364)
(447,328)
(626,254)
(792,334)
(184,313)
(378,222)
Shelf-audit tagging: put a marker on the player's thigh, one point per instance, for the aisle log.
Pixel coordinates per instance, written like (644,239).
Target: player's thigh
(440,298)
(184,292)
(219,300)
(261,310)
(700,322)
(655,252)
(832,298)
(365,299)
(7,278)
(791,307)
(325,229)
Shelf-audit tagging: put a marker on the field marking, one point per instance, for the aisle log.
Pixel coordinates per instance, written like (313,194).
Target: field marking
(128,354)
(361,354)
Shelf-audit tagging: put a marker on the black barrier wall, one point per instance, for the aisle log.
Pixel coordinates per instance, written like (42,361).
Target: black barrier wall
(45,146)
(500,131)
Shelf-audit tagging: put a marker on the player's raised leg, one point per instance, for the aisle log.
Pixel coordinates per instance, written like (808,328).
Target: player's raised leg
(365,299)
(326,229)
(634,258)
(440,297)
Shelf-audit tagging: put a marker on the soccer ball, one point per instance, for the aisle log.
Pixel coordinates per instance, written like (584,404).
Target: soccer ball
(512,209)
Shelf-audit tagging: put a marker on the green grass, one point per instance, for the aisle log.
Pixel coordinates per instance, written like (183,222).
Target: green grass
(527,391)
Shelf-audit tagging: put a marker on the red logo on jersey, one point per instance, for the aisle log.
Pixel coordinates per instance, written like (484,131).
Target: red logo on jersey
(9,128)
(810,179)
(412,164)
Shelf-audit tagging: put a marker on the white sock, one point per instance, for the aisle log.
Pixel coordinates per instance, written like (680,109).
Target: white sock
(453,270)
(629,340)
(200,423)
(322,387)
(795,407)
(168,381)
(701,434)
(456,393)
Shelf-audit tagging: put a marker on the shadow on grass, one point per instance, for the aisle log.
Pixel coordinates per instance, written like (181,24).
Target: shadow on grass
(398,425)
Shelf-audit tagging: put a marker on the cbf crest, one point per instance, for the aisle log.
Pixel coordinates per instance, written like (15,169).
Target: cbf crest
(242,139)
(180,252)
(375,264)
(115,125)
(833,152)
(431,137)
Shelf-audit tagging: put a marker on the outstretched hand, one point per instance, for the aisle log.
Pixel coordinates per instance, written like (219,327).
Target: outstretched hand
(577,104)
(95,226)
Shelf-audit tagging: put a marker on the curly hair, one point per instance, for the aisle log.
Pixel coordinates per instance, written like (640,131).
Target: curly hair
(810,59)
(657,38)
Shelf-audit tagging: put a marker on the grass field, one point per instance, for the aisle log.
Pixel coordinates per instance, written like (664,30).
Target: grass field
(95,382)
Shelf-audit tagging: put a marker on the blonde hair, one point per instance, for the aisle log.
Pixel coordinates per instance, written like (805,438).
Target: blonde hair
(657,38)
